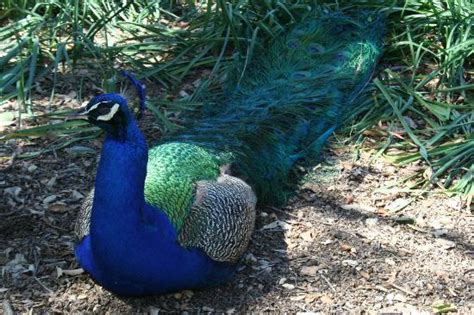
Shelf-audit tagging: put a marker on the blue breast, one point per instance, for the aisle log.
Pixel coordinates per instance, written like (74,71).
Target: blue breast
(153,262)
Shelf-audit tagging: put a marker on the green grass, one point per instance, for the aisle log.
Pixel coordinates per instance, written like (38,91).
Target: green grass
(424,96)
(421,103)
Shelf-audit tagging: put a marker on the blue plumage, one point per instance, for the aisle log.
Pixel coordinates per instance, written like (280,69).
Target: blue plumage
(129,239)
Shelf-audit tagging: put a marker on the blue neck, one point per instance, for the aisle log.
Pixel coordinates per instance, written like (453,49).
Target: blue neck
(119,184)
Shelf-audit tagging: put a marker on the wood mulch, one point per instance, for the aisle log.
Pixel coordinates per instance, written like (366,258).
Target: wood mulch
(345,242)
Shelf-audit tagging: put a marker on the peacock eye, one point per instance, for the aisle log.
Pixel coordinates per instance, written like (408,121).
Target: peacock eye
(292,44)
(103,110)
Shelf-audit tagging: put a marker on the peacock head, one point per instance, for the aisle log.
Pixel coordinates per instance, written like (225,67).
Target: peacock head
(107,111)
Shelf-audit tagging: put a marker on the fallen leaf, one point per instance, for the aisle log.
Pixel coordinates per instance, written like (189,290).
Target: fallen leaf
(347,165)
(442,307)
(326,299)
(250,258)
(31,168)
(452,292)
(307,236)
(276,224)
(14,192)
(310,298)
(82,296)
(345,247)
(398,204)
(51,182)
(440,232)
(49,199)
(349,199)
(183,94)
(389,297)
(288,286)
(57,207)
(376,133)
(350,262)
(327,242)
(371,221)
(428,173)
(445,244)
(297,298)
(309,270)
(188,293)
(382,212)
(358,207)
(365,275)
(81,150)
(399,297)
(77,195)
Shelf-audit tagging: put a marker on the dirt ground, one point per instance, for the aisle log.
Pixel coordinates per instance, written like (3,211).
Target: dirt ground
(346,242)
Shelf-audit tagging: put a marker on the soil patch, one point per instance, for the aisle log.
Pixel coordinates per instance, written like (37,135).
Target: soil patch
(344,242)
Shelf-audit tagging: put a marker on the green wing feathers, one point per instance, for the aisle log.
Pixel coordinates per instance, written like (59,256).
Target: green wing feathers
(172,172)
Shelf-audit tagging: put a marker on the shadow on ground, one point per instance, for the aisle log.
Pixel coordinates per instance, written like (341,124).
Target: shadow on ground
(316,254)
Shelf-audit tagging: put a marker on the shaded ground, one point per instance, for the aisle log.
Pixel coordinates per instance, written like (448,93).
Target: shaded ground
(341,244)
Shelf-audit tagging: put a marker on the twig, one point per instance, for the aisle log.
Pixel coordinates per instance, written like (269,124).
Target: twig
(380,288)
(53,226)
(402,289)
(44,287)
(283,212)
(329,283)
(416,228)
(370,287)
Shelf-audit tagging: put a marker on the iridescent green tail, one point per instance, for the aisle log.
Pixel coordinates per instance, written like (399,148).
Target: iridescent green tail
(290,100)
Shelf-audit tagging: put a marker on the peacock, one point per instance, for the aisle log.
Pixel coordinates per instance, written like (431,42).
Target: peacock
(180,215)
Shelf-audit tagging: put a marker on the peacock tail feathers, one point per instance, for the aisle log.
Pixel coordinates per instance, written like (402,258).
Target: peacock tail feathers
(291,98)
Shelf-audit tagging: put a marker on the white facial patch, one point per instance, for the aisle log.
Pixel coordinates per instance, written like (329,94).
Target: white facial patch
(95,106)
(109,115)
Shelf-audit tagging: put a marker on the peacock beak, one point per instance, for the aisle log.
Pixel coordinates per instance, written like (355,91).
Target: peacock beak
(81,114)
